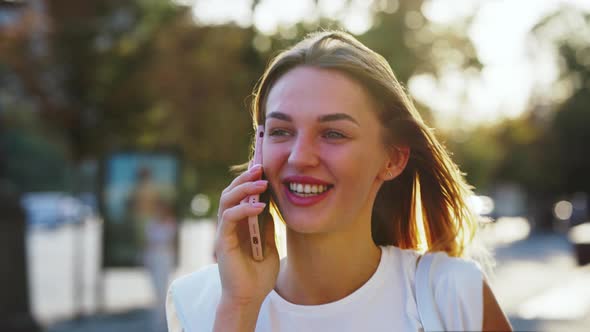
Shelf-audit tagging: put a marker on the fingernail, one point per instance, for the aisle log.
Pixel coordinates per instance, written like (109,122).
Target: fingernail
(255,168)
(260,183)
(259,205)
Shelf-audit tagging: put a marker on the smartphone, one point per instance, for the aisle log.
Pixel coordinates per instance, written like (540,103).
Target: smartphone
(254,224)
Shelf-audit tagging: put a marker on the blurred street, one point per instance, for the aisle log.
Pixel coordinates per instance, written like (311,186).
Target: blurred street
(68,299)
(539,285)
(120,121)
(536,280)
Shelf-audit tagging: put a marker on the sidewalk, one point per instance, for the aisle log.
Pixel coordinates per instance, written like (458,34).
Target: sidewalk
(540,286)
(536,281)
(127,292)
(135,320)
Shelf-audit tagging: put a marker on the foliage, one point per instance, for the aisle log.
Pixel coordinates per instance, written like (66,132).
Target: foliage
(567,132)
(545,149)
(142,73)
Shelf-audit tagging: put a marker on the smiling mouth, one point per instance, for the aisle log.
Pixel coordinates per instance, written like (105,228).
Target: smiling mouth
(308,190)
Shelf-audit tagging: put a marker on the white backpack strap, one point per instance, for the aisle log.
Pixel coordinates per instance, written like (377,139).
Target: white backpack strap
(425,301)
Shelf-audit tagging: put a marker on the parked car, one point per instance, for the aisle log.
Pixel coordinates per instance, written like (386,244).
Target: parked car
(52,209)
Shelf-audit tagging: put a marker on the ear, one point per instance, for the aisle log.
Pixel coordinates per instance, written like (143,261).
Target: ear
(398,159)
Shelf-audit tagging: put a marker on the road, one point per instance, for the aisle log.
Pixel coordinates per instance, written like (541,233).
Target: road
(540,286)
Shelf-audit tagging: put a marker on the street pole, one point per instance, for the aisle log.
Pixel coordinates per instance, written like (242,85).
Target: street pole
(79,251)
(15,311)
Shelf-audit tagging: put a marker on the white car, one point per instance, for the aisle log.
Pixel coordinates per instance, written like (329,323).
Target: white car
(51,209)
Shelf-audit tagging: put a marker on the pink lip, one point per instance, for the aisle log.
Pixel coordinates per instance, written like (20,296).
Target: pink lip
(305,201)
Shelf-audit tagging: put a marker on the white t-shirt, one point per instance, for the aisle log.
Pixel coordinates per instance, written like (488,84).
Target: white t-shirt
(386,302)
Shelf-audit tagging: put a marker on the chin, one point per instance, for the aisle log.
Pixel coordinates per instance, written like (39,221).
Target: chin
(303,228)
(306,224)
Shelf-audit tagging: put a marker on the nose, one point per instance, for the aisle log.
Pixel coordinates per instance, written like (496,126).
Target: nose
(304,153)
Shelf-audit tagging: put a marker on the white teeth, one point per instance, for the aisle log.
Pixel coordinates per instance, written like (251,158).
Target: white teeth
(307,189)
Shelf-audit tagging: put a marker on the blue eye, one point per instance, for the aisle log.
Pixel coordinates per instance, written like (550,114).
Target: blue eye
(334,134)
(278,132)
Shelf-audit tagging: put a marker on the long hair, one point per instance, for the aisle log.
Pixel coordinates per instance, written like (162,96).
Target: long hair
(425,207)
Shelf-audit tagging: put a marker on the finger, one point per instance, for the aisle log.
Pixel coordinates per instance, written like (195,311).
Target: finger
(252,174)
(241,192)
(231,217)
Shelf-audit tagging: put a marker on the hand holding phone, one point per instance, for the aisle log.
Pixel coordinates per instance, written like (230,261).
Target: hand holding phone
(245,275)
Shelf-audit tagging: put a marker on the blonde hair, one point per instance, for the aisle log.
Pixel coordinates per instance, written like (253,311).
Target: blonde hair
(425,207)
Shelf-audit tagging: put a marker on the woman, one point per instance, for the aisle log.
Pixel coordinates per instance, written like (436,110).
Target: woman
(355,175)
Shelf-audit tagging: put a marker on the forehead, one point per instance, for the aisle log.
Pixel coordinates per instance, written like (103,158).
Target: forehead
(308,91)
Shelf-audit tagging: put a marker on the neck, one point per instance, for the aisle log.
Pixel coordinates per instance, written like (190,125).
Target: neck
(323,268)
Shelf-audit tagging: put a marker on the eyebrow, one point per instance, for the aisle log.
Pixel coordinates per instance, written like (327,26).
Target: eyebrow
(321,118)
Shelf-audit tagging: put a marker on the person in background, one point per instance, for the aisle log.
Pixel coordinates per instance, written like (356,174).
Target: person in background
(364,188)
(159,256)
(144,202)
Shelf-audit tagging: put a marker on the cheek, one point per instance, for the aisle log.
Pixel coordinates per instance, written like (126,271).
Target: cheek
(350,158)
(273,157)
(361,165)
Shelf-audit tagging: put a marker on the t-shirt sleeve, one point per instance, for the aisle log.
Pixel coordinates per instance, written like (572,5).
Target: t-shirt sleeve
(192,301)
(458,293)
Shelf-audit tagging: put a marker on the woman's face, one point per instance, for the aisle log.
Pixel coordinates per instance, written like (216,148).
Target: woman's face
(322,150)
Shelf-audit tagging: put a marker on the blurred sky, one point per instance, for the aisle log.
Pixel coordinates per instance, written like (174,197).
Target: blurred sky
(513,64)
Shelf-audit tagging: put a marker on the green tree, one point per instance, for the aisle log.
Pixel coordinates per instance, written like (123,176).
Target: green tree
(568,31)
(144,74)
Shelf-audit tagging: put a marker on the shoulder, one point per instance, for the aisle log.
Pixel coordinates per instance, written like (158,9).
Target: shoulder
(195,297)
(456,285)
(455,279)
(461,271)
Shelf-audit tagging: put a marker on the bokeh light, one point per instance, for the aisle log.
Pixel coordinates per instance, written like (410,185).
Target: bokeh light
(200,205)
(563,210)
